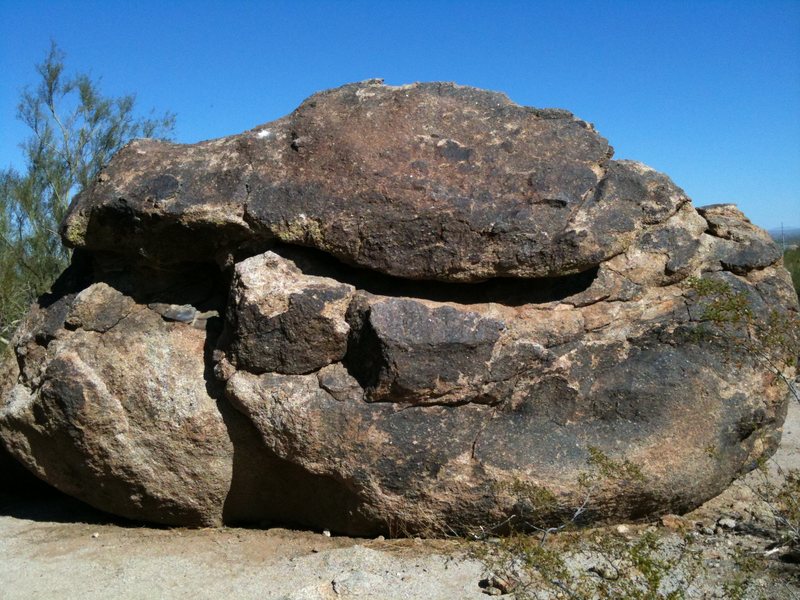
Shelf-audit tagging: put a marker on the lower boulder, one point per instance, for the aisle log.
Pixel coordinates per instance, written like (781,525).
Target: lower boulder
(114,410)
(112,400)
(369,405)
(446,418)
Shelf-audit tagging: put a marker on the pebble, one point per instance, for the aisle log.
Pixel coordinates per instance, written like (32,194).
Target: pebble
(497,585)
(706,531)
(727,523)
(675,523)
(326,533)
(95,535)
(605,571)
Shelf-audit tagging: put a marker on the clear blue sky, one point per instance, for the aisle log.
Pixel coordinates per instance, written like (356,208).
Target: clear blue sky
(708,92)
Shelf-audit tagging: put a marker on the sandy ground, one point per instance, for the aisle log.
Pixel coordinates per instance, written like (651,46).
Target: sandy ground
(68,551)
(55,547)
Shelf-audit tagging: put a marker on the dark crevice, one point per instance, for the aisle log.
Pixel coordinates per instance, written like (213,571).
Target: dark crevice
(305,500)
(501,290)
(76,277)
(24,496)
(364,359)
(200,285)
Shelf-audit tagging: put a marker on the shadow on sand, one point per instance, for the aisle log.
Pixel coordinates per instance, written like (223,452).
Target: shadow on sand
(23,496)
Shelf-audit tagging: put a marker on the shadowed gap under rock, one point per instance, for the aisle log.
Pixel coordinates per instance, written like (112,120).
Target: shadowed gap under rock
(508,291)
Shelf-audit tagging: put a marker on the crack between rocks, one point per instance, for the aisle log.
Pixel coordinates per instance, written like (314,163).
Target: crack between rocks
(134,308)
(122,318)
(480,432)
(505,291)
(21,379)
(404,406)
(745,272)
(590,193)
(248,190)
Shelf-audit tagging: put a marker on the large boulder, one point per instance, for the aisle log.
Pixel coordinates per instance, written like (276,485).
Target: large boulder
(399,309)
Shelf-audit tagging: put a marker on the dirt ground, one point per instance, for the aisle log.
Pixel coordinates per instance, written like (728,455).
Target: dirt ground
(54,547)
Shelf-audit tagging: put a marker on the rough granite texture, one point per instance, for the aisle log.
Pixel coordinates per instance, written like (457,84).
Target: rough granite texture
(395,310)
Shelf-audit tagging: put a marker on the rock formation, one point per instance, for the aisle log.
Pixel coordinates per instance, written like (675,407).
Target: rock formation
(396,310)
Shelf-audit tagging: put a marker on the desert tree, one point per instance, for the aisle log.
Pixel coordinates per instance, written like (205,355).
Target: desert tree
(74,130)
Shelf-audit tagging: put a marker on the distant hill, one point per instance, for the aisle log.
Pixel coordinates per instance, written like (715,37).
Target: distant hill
(790,234)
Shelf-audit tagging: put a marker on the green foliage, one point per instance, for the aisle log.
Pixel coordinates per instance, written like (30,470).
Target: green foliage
(782,498)
(539,509)
(724,305)
(608,468)
(791,260)
(597,565)
(536,504)
(650,564)
(74,131)
(748,567)
(771,337)
(787,502)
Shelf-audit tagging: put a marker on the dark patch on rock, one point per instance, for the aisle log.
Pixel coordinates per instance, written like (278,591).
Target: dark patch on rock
(424,354)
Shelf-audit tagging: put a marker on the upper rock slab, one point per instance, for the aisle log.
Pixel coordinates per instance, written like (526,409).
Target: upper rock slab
(425,181)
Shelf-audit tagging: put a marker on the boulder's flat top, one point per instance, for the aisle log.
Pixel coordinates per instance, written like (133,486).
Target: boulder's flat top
(430,181)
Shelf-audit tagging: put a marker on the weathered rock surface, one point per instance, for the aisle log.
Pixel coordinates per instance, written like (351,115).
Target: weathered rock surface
(398,309)
(430,181)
